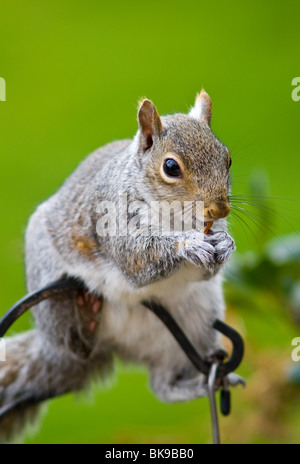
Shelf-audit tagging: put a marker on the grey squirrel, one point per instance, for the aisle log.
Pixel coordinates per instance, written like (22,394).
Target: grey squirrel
(175,157)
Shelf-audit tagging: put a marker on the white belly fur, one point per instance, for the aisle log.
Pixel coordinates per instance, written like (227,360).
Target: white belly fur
(138,335)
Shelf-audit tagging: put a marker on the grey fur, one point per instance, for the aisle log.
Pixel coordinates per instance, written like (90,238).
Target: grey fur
(182,271)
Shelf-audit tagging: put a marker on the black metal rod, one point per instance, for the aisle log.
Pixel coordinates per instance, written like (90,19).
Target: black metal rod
(61,286)
(201,364)
(56,288)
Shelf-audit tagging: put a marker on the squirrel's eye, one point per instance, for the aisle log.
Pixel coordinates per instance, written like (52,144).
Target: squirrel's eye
(171,168)
(229,163)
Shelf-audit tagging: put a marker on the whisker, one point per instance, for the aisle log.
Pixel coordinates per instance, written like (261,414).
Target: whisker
(243,224)
(257,220)
(262,225)
(263,203)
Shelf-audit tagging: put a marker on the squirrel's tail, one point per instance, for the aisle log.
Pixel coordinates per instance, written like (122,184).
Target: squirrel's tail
(31,373)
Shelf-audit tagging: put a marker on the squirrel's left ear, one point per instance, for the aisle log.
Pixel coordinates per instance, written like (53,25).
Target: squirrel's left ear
(202,108)
(149,123)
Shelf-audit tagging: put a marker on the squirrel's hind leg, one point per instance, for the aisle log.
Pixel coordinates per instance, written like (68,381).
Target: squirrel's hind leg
(173,390)
(57,358)
(82,337)
(35,371)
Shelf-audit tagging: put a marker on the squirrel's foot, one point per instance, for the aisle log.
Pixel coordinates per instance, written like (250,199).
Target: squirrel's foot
(82,338)
(234,380)
(88,312)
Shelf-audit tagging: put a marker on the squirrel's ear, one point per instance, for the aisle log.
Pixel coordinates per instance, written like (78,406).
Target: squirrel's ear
(202,108)
(149,123)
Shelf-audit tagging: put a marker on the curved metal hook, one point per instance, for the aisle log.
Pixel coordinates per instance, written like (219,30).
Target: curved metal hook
(18,309)
(238,348)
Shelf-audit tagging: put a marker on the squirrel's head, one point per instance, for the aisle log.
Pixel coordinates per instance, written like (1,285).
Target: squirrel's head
(181,159)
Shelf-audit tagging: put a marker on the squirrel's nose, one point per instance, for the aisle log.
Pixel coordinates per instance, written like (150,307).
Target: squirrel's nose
(214,211)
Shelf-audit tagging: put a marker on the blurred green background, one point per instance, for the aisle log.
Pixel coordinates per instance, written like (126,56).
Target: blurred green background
(74,73)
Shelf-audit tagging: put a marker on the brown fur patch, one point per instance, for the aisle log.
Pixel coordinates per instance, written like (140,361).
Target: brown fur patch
(85,246)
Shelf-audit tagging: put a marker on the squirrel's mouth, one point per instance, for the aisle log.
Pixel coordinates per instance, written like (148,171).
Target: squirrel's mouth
(207,226)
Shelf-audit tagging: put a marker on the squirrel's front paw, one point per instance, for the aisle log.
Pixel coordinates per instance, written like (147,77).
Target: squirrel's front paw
(194,248)
(223,245)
